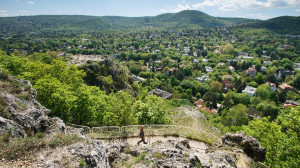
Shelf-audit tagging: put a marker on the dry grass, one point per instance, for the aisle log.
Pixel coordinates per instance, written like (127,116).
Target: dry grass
(15,148)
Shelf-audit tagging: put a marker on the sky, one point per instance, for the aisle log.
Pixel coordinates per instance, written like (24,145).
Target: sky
(257,9)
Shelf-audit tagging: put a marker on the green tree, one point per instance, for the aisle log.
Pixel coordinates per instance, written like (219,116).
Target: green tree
(236,116)
(216,86)
(263,91)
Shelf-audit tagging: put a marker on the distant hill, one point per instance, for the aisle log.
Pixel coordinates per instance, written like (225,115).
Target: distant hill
(180,20)
(282,24)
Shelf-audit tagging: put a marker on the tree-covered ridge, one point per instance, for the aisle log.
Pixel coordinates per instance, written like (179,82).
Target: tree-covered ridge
(283,25)
(78,23)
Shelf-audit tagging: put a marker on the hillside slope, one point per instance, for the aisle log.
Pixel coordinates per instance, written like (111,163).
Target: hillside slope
(282,25)
(183,19)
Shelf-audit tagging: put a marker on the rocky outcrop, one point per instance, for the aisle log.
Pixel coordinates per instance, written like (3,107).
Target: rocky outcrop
(97,73)
(94,154)
(249,144)
(24,115)
(14,129)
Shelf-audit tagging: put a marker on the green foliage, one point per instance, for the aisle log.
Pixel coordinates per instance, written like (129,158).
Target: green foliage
(152,110)
(263,91)
(61,89)
(282,24)
(281,138)
(180,102)
(183,19)
(236,116)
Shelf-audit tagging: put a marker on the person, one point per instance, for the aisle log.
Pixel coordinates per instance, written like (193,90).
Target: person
(142,135)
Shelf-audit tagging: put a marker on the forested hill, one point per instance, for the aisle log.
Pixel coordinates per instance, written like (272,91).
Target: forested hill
(184,19)
(282,24)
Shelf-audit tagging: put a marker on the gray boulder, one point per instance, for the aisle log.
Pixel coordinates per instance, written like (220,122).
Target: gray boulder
(249,144)
(94,154)
(8,126)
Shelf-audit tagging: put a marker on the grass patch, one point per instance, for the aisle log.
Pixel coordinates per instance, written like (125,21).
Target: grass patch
(198,164)
(3,75)
(199,138)
(127,150)
(19,148)
(136,160)
(21,105)
(171,134)
(24,96)
(82,163)
(3,110)
(158,155)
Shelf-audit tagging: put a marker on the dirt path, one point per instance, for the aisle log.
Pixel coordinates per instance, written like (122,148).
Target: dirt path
(199,146)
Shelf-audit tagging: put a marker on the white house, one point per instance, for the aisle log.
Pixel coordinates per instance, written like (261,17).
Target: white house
(250,90)
(208,69)
(202,78)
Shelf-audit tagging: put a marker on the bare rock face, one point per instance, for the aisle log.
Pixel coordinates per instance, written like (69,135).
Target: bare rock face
(249,144)
(25,115)
(94,154)
(8,126)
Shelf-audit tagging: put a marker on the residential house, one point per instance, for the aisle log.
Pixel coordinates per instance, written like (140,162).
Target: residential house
(285,87)
(290,103)
(221,64)
(156,51)
(297,66)
(250,90)
(263,69)
(243,54)
(284,72)
(231,68)
(252,72)
(208,69)
(245,57)
(227,77)
(204,61)
(196,61)
(232,61)
(61,53)
(227,85)
(195,54)
(265,56)
(199,106)
(181,65)
(171,71)
(186,50)
(202,78)
(267,63)
(272,86)
(161,93)
(138,79)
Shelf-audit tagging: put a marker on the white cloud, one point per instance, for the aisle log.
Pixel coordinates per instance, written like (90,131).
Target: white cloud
(24,11)
(3,11)
(31,2)
(259,16)
(178,8)
(230,5)
(297,10)
(3,14)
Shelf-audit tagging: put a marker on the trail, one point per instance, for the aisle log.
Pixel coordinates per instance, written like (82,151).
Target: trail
(196,145)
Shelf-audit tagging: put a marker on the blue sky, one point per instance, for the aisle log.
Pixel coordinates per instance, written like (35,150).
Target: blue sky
(259,9)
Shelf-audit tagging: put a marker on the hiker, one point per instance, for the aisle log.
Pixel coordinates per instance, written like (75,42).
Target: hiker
(142,135)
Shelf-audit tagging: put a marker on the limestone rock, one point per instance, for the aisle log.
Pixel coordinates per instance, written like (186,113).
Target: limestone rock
(10,126)
(249,144)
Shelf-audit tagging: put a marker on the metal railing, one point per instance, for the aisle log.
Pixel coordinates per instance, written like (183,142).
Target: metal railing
(116,132)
